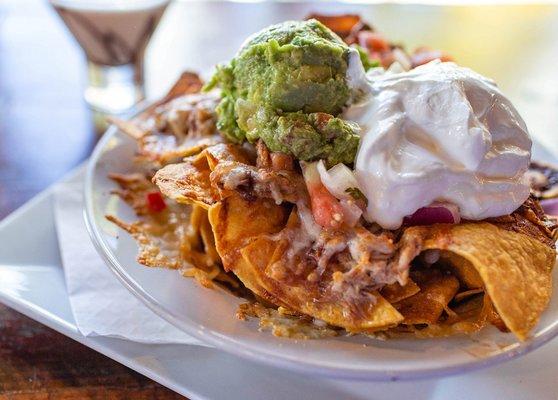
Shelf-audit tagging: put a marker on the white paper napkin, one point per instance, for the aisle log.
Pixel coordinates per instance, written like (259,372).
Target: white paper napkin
(101,305)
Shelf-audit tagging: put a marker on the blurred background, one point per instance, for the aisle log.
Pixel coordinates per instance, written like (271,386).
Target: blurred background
(47,128)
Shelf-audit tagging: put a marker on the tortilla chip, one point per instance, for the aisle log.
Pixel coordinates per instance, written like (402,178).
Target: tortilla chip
(179,125)
(187,83)
(128,127)
(436,291)
(248,250)
(467,318)
(226,152)
(252,268)
(395,292)
(163,150)
(232,232)
(515,268)
(158,148)
(197,215)
(206,233)
(188,182)
(461,296)
(462,269)
(493,316)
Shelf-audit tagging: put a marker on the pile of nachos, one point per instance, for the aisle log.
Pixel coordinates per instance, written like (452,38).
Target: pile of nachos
(230,190)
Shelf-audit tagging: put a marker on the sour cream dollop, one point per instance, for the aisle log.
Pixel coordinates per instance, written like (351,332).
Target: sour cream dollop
(439,132)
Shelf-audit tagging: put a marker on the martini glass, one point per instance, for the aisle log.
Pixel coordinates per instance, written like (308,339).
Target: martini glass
(114,35)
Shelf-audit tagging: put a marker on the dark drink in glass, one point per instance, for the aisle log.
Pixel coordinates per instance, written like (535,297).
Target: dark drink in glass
(113,35)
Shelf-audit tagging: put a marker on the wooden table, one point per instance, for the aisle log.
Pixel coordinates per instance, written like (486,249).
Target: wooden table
(46,129)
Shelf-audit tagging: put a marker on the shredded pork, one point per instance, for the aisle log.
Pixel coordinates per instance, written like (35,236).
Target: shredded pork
(356,260)
(272,177)
(174,130)
(252,182)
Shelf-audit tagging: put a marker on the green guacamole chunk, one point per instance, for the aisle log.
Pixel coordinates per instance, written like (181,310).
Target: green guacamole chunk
(286,86)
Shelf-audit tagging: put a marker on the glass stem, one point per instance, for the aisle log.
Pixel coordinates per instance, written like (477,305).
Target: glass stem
(114,89)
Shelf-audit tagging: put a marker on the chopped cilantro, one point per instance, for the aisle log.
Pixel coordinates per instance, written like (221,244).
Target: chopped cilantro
(356,194)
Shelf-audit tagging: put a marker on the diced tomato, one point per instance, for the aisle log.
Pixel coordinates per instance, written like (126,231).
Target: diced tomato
(424,55)
(373,41)
(386,58)
(155,202)
(326,209)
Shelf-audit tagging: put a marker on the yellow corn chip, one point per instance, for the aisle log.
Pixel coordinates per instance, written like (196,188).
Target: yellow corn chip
(395,292)
(515,269)
(242,231)
(436,291)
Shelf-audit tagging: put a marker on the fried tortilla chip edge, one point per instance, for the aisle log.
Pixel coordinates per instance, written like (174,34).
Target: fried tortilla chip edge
(515,268)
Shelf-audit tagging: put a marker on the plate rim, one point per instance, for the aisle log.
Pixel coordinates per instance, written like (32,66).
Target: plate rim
(229,345)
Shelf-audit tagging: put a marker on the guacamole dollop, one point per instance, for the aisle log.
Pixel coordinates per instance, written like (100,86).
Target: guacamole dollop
(286,86)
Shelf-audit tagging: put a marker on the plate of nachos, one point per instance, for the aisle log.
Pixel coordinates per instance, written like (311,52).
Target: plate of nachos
(329,202)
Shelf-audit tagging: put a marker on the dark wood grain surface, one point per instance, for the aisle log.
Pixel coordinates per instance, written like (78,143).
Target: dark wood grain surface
(38,363)
(45,131)
(46,128)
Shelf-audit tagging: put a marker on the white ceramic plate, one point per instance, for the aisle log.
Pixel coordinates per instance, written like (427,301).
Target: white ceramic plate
(33,283)
(210,314)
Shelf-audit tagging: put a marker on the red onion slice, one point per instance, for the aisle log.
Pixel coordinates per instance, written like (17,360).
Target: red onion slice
(436,213)
(550,206)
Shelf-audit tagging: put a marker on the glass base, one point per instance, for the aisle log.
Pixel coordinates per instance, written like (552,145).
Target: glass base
(113,89)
